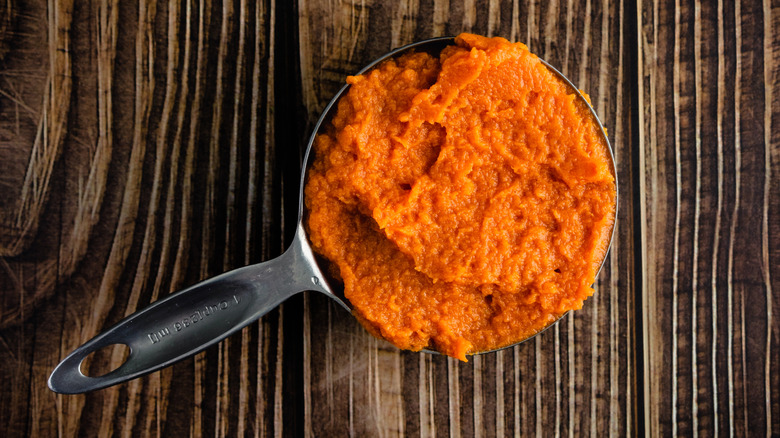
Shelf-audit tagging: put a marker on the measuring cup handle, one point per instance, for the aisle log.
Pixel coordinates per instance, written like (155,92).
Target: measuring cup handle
(193,319)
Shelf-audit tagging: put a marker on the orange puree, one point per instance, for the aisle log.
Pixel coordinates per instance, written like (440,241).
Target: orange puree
(466,201)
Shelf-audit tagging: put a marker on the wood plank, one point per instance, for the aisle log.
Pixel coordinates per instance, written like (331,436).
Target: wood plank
(576,377)
(146,76)
(708,82)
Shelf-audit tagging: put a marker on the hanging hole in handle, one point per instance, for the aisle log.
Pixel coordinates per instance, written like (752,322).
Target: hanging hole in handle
(104,360)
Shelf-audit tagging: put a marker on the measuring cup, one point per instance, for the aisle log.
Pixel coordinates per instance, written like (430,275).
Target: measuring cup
(189,321)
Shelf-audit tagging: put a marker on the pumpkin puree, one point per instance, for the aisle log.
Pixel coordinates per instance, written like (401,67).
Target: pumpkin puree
(466,201)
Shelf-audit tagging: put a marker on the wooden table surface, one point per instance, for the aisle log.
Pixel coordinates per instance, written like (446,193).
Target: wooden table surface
(145,146)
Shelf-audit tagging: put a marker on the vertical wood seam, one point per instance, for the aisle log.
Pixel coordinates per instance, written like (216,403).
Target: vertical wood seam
(767,12)
(233,175)
(500,412)
(735,211)
(351,374)
(538,385)
(516,372)
(696,216)
(614,265)
(477,390)
(677,211)
(223,367)
(307,405)
(646,304)
(716,240)
(453,385)
(278,396)
(267,207)
(557,355)
(182,252)
(602,85)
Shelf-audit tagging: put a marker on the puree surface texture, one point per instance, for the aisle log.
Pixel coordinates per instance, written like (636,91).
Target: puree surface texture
(466,201)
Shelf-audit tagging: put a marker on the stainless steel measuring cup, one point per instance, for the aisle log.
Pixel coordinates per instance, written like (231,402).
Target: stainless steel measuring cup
(191,320)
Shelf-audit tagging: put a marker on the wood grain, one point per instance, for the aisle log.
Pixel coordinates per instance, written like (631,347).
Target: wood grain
(147,145)
(709,152)
(36,100)
(567,380)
